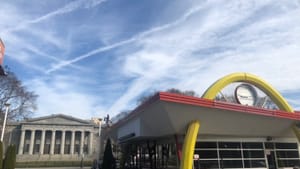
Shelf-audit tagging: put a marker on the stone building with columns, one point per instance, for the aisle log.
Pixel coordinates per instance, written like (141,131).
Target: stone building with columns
(54,138)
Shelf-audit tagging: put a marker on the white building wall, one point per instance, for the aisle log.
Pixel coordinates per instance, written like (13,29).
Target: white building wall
(133,126)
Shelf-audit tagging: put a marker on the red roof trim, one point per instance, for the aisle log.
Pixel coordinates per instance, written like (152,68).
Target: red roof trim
(183,99)
(170,97)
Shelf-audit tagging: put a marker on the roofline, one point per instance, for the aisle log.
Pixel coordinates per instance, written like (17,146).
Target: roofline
(196,101)
(55,115)
(138,109)
(170,97)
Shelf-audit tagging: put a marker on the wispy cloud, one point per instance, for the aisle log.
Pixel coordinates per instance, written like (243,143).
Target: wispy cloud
(79,67)
(221,42)
(66,9)
(58,94)
(127,41)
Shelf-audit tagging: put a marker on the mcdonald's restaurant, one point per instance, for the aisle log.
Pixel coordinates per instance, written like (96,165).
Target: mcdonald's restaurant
(241,121)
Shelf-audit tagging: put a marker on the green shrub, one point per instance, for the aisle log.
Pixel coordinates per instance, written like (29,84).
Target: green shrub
(109,162)
(10,158)
(13,156)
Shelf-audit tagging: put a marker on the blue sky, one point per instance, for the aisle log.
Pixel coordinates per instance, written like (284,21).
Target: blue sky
(88,58)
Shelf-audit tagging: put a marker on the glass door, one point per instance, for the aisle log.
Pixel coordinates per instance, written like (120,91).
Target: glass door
(271,160)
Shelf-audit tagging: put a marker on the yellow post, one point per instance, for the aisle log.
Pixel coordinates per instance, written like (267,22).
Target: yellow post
(189,145)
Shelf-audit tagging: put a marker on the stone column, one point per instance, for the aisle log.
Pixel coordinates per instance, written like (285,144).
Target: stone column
(52,142)
(62,144)
(42,142)
(81,142)
(91,143)
(72,142)
(31,145)
(21,145)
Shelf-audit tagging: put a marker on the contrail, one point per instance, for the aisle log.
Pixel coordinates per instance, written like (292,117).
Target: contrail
(124,42)
(67,8)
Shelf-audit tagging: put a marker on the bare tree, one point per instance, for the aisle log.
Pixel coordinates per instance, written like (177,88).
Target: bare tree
(145,98)
(186,93)
(22,102)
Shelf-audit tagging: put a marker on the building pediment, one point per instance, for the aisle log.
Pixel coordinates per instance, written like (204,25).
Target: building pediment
(57,119)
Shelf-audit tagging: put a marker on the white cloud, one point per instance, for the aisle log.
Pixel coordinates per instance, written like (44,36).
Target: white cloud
(198,49)
(208,40)
(60,96)
(74,5)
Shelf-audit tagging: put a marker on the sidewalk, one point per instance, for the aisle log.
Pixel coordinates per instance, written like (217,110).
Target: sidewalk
(58,168)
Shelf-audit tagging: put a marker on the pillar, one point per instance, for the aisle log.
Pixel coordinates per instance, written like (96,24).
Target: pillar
(52,142)
(91,143)
(62,144)
(81,142)
(21,145)
(31,145)
(42,142)
(72,142)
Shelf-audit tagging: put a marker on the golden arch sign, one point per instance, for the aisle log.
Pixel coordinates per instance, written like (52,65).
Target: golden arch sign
(211,92)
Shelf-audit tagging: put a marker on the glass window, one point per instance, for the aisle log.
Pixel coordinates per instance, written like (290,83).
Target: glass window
(269,145)
(206,145)
(47,149)
(229,145)
(203,154)
(287,154)
(254,154)
(288,163)
(208,164)
(26,149)
(67,149)
(286,145)
(231,163)
(252,145)
(36,149)
(230,154)
(85,149)
(77,148)
(57,149)
(255,163)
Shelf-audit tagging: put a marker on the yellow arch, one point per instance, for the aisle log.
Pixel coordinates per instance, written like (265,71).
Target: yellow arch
(211,92)
(189,145)
(276,97)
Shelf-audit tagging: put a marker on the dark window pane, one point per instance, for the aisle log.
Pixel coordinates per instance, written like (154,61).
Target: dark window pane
(36,149)
(253,145)
(253,154)
(288,163)
(230,154)
(209,164)
(231,163)
(206,145)
(229,145)
(26,149)
(287,154)
(255,163)
(196,164)
(207,153)
(269,145)
(286,145)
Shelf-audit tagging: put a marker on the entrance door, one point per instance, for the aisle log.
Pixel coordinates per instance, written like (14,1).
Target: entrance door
(271,160)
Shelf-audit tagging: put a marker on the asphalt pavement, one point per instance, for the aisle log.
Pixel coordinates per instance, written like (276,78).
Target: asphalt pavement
(58,168)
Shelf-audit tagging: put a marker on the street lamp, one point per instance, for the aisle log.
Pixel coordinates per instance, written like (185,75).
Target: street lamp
(4,122)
